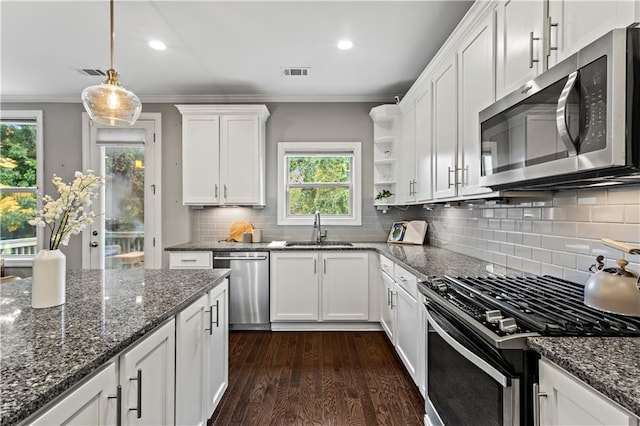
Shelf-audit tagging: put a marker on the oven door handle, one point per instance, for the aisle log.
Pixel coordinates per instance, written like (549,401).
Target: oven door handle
(473,358)
(232,258)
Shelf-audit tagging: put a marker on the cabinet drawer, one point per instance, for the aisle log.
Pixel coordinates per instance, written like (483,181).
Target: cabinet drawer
(406,280)
(191,260)
(386,265)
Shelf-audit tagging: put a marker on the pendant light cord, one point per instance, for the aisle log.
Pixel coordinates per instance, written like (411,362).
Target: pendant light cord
(113,37)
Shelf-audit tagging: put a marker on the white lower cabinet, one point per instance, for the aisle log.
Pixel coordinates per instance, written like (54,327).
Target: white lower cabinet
(92,403)
(566,400)
(319,286)
(201,357)
(147,377)
(400,316)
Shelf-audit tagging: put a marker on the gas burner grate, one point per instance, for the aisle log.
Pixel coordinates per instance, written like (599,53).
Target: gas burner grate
(544,304)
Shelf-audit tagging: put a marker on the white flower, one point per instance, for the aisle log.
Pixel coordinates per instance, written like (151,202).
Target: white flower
(66,216)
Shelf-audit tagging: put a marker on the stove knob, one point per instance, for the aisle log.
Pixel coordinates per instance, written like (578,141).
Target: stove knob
(493,316)
(508,325)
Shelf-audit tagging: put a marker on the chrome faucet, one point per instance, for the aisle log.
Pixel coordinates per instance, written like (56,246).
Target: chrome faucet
(318,228)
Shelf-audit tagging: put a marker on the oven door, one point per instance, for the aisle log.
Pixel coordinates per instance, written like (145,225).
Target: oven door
(468,383)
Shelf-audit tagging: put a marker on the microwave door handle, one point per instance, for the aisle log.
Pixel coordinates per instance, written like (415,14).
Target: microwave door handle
(561,115)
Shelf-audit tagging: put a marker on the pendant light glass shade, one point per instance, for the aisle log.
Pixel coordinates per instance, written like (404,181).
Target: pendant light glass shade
(109,103)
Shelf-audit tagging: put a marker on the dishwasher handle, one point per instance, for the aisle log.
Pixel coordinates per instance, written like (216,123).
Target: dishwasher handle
(229,258)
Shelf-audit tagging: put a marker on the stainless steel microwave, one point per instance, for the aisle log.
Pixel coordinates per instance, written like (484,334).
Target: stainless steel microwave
(575,125)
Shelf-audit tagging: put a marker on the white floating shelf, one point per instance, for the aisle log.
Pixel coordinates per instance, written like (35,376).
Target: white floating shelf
(384,139)
(385,161)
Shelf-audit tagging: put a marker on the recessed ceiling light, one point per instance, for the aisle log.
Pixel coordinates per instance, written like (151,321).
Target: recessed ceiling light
(157,45)
(345,44)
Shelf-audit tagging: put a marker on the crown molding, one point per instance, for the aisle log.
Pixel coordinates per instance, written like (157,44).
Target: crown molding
(211,98)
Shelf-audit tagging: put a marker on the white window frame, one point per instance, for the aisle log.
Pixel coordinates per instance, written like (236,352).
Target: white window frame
(19,261)
(311,148)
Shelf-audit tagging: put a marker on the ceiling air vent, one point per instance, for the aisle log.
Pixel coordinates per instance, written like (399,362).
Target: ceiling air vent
(296,72)
(93,72)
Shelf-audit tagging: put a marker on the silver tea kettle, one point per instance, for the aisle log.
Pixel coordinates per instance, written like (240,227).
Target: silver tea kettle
(614,290)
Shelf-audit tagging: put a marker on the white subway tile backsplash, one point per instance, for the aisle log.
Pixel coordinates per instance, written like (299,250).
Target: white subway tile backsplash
(576,276)
(607,214)
(567,260)
(553,270)
(531,266)
(627,195)
(507,248)
(500,235)
(551,242)
(632,214)
(514,263)
(541,255)
(565,198)
(591,230)
(500,213)
(554,213)
(500,259)
(577,245)
(514,213)
(514,237)
(567,229)
(532,213)
(578,213)
(523,252)
(532,240)
(507,225)
(542,227)
(628,233)
(592,196)
(494,223)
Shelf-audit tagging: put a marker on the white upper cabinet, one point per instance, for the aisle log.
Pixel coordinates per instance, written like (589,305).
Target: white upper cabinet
(200,159)
(407,156)
(476,92)
(519,44)
(223,154)
(444,128)
(422,186)
(573,24)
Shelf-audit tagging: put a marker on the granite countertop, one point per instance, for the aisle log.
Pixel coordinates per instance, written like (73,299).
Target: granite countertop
(423,261)
(46,351)
(610,365)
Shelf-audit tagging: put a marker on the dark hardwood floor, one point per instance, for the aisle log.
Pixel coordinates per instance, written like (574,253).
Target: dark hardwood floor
(318,378)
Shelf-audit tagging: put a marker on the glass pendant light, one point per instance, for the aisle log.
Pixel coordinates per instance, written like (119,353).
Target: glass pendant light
(109,103)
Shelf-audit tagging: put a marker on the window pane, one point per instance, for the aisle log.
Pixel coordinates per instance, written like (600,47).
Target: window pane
(17,170)
(324,169)
(329,201)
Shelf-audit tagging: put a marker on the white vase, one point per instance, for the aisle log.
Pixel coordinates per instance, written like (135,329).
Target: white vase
(48,282)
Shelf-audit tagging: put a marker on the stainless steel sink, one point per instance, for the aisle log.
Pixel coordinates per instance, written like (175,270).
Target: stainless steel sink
(313,243)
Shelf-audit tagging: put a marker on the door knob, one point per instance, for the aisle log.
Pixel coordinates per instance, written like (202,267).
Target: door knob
(94,244)
(94,233)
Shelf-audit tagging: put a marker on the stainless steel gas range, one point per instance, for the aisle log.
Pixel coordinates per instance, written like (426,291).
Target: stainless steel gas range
(480,370)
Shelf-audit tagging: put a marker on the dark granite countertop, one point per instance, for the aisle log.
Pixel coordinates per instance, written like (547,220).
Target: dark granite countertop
(46,351)
(423,261)
(610,365)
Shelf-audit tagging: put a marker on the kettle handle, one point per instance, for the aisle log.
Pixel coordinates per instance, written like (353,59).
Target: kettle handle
(593,268)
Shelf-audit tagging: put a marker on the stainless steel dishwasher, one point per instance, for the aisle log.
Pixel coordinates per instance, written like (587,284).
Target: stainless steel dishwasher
(248,288)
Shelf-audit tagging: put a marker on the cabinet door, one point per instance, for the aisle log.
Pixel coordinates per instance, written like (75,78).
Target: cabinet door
(519,43)
(218,362)
(576,23)
(475,76)
(422,187)
(444,129)
(294,286)
(407,331)
(191,361)
(345,286)
(407,155)
(200,159)
(242,158)
(565,400)
(147,377)
(387,312)
(90,404)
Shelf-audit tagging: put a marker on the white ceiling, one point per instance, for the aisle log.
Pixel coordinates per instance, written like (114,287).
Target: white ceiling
(219,50)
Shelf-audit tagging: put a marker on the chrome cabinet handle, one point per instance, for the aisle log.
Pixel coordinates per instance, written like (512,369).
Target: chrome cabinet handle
(536,403)
(392,299)
(216,186)
(551,25)
(217,305)
(324,265)
(188,260)
(138,379)
(210,329)
(449,171)
(225,191)
(561,115)
(118,398)
(388,302)
(531,40)
(315,269)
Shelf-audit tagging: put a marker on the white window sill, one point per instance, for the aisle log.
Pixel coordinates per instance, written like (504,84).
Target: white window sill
(18,261)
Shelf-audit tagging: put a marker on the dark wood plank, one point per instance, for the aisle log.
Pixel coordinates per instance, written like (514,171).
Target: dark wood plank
(316,378)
